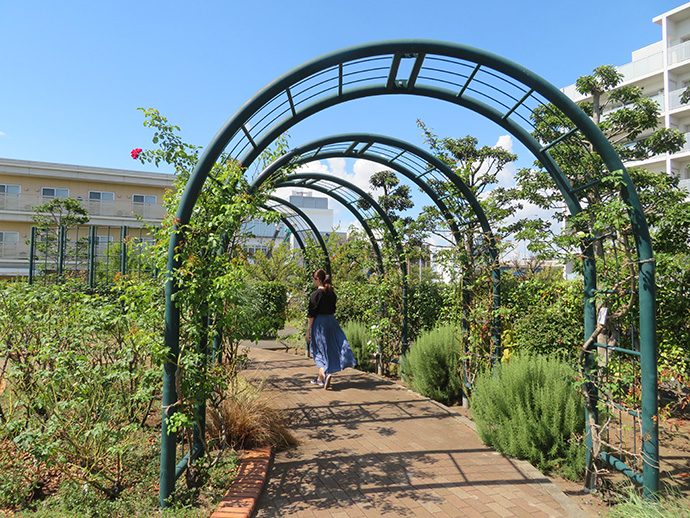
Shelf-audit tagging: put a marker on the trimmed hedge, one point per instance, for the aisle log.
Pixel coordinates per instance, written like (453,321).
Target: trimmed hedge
(270,301)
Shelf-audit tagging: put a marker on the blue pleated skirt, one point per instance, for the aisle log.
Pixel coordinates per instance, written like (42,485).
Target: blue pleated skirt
(329,346)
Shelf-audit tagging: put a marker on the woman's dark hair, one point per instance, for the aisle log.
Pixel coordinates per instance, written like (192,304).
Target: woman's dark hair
(324,278)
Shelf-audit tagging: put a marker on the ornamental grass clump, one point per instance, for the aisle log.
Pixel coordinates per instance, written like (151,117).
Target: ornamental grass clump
(361,343)
(531,408)
(432,366)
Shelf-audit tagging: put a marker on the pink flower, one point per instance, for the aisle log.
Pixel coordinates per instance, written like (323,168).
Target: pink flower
(135,153)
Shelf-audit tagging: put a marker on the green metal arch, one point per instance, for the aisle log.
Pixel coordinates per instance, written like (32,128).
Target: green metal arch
(310,224)
(319,149)
(281,104)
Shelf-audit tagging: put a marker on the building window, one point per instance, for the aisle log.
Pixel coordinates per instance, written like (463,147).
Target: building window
(144,198)
(101,196)
(9,196)
(52,192)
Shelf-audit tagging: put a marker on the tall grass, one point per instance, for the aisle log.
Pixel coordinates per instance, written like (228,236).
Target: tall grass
(667,506)
(247,420)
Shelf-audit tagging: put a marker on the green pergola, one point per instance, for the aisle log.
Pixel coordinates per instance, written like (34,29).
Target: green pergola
(494,87)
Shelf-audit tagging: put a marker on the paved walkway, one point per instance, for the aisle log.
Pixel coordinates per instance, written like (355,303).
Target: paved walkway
(372,448)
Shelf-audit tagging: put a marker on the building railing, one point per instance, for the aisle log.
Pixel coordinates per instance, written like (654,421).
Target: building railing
(674,99)
(642,67)
(678,53)
(114,209)
(11,251)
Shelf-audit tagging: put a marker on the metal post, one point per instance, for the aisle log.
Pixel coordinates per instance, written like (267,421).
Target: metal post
(172,342)
(123,250)
(590,320)
(199,432)
(496,326)
(32,248)
(648,360)
(61,252)
(92,256)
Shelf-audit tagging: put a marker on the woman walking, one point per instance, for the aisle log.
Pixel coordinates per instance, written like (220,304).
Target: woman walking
(328,344)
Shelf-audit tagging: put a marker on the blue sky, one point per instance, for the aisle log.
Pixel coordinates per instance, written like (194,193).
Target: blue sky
(75,72)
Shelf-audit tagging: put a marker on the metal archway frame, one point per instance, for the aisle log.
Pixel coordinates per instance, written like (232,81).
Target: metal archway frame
(485,83)
(414,163)
(305,219)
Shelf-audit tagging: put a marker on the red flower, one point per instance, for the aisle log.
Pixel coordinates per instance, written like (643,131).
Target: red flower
(135,153)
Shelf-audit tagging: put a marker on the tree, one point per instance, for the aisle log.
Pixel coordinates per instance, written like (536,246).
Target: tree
(630,122)
(53,220)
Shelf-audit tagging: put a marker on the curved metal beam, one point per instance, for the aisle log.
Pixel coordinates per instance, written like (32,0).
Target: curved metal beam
(310,223)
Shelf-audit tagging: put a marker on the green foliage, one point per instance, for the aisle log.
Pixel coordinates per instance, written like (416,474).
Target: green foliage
(212,278)
(82,375)
(424,303)
(361,344)
(668,505)
(269,300)
(353,298)
(60,212)
(432,366)
(545,314)
(531,408)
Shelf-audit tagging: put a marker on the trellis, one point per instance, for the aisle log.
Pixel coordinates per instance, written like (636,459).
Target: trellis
(501,91)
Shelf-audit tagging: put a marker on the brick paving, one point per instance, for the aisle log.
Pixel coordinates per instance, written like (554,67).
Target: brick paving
(372,448)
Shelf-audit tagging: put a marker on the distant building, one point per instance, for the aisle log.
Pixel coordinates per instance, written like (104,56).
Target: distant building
(314,207)
(113,198)
(663,71)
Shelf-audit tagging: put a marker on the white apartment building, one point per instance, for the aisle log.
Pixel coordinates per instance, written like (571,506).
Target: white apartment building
(662,69)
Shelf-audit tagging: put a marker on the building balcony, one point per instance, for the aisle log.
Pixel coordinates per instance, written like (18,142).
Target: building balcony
(113,209)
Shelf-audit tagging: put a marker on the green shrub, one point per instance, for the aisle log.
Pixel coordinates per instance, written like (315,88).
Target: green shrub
(353,297)
(269,300)
(432,365)
(359,338)
(531,409)
(424,303)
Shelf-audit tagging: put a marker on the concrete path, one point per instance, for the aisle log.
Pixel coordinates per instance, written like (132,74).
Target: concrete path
(372,448)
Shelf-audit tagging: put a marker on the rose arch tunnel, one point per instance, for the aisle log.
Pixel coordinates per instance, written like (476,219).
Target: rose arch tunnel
(511,96)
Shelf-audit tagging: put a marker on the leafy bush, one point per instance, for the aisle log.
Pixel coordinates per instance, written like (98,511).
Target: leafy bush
(424,304)
(361,344)
(546,314)
(531,409)
(432,365)
(269,300)
(353,298)
(82,374)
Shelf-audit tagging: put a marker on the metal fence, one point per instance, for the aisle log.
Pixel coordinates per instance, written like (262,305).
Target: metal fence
(94,254)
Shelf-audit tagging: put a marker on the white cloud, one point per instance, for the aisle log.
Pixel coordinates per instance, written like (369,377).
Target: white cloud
(506,176)
(2,134)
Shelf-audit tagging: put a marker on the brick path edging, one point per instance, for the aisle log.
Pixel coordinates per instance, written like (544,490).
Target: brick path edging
(244,492)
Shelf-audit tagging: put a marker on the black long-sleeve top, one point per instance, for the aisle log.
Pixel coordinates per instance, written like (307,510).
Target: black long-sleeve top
(322,302)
